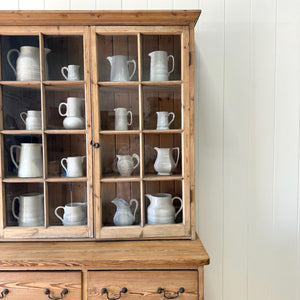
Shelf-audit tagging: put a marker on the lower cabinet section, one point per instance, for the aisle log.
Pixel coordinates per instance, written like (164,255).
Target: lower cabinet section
(143,285)
(40,285)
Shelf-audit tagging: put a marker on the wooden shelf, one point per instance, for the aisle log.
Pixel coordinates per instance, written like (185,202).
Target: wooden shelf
(25,84)
(66,179)
(120,179)
(65,131)
(158,131)
(21,132)
(22,180)
(111,132)
(118,83)
(153,177)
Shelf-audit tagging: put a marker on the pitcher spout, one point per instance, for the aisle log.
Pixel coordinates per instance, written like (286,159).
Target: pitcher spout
(109,58)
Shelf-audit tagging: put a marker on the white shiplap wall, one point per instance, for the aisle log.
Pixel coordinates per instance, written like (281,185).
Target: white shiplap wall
(247,139)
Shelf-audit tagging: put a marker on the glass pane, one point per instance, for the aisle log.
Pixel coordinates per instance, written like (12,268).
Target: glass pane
(69,148)
(67,203)
(162,152)
(161,57)
(120,212)
(119,108)
(161,193)
(17,102)
(71,114)
(117,58)
(65,51)
(162,107)
(120,155)
(23,156)
(28,208)
(25,51)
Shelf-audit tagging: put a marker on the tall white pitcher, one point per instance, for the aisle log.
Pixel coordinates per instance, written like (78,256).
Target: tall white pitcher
(31,161)
(159,65)
(119,68)
(28,63)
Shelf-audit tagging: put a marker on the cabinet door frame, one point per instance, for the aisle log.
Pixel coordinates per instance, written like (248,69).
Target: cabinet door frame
(52,231)
(184,230)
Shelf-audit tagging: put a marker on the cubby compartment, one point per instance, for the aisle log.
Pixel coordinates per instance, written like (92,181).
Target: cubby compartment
(120,153)
(118,204)
(28,207)
(119,108)
(65,50)
(68,201)
(165,197)
(117,58)
(162,107)
(31,156)
(10,51)
(163,62)
(16,102)
(162,154)
(69,150)
(65,107)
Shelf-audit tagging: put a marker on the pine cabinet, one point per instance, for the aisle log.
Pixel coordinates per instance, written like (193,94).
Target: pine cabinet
(96,125)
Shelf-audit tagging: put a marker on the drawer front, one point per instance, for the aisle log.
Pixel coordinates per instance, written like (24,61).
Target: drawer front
(32,285)
(142,284)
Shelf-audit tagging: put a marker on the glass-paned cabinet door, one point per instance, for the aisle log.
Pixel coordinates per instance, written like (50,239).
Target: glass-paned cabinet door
(141,104)
(45,133)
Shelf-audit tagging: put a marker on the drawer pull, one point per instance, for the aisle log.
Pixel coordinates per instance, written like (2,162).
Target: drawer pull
(4,293)
(161,290)
(105,291)
(63,292)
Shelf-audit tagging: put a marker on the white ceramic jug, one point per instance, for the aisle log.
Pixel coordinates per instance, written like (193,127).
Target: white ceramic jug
(164,163)
(163,122)
(31,162)
(74,166)
(159,65)
(161,209)
(28,63)
(126,164)
(32,119)
(124,215)
(75,214)
(74,119)
(72,72)
(119,68)
(121,118)
(31,209)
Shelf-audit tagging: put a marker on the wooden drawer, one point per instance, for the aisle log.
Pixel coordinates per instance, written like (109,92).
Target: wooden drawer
(142,284)
(32,285)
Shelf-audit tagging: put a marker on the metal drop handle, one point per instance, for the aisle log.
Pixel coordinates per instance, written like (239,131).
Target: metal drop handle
(105,291)
(180,291)
(4,293)
(62,294)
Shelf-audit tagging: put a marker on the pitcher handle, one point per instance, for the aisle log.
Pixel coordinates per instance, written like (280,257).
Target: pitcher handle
(62,164)
(56,213)
(173,117)
(180,209)
(13,207)
(137,159)
(63,73)
(59,109)
(134,67)
(8,59)
(136,205)
(130,115)
(178,152)
(12,154)
(173,64)
(22,116)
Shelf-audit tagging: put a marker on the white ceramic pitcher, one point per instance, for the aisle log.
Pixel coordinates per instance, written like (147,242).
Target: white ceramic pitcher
(74,119)
(126,164)
(163,122)
(119,68)
(72,72)
(31,161)
(32,119)
(74,166)
(159,65)
(164,163)
(121,118)
(31,209)
(74,214)
(124,215)
(28,63)
(161,209)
